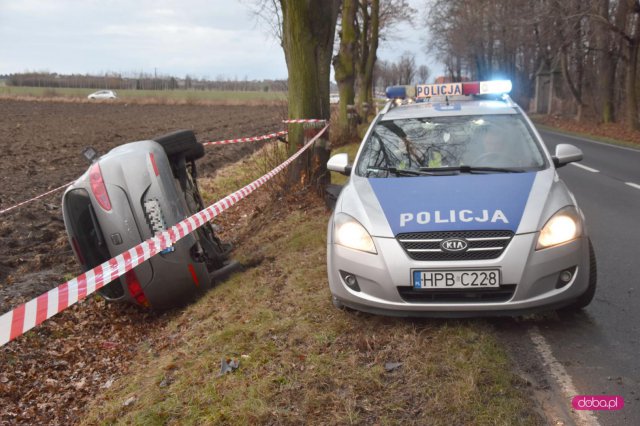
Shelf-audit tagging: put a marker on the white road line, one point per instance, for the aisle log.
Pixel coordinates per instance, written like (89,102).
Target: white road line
(633,185)
(590,140)
(557,370)
(582,166)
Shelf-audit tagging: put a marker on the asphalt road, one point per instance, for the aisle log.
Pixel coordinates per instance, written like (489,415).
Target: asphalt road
(599,348)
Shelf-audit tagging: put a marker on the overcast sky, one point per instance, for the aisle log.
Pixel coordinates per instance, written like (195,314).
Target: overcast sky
(203,38)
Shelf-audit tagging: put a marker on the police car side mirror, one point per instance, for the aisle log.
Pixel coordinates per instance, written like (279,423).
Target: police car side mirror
(339,163)
(566,154)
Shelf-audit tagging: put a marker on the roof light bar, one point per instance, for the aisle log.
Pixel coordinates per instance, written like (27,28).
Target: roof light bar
(491,87)
(423,91)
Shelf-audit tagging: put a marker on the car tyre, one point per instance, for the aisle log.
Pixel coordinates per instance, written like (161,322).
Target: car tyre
(585,299)
(181,142)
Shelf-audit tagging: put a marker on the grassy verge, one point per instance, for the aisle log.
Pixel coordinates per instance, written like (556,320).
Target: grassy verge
(301,360)
(613,133)
(163,95)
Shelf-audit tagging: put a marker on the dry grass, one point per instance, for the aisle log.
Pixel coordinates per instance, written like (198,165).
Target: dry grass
(234,176)
(148,101)
(301,360)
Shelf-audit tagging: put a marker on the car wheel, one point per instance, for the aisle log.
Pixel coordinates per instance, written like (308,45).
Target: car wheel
(586,298)
(181,142)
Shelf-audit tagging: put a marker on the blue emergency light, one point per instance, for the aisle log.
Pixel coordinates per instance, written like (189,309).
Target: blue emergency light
(401,92)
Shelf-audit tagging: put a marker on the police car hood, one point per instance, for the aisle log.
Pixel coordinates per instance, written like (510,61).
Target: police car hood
(519,202)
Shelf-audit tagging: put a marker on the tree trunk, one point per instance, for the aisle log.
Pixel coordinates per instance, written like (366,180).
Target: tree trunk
(363,54)
(632,19)
(344,67)
(606,65)
(574,87)
(368,56)
(631,79)
(308,28)
(367,79)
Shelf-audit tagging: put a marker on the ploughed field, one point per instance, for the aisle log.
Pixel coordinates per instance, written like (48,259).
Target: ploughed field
(43,378)
(41,144)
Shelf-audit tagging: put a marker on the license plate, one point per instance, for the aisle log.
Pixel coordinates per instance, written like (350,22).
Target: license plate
(467,279)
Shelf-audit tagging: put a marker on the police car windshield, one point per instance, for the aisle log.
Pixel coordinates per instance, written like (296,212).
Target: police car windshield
(479,141)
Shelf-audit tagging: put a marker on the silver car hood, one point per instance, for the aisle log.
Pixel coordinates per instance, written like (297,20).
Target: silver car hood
(520,202)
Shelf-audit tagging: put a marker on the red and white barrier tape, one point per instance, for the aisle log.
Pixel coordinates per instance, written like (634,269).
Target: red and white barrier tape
(222,142)
(26,316)
(305,120)
(35,198)
(252,139)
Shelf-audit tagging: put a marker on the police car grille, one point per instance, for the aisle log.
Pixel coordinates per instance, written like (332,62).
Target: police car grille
(501,294)
(482,244)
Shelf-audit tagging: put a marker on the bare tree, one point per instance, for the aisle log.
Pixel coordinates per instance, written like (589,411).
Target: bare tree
(367,53)
(308,28)
(592,46)
(344,65)
(423,73)
(377,20)
(268,13)
(406,68)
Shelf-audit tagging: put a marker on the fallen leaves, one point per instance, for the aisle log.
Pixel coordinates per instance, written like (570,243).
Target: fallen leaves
(616,131)
(50,374)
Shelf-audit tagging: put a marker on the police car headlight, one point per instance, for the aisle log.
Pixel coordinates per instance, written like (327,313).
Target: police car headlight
(350,233)
(563,226)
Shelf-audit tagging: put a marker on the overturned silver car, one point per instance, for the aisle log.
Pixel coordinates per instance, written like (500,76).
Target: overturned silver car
(129,195)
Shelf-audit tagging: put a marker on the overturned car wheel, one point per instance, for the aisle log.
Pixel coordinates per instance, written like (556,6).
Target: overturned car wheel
(181,143)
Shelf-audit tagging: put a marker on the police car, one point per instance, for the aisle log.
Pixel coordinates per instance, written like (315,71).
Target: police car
(454,208)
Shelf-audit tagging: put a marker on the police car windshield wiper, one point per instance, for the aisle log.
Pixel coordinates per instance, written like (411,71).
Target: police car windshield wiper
(471,169)
(398,172)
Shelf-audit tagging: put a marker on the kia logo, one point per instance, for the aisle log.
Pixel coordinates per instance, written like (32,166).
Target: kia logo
(454,244)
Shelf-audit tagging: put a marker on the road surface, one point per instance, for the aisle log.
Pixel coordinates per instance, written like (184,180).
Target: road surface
(599,348)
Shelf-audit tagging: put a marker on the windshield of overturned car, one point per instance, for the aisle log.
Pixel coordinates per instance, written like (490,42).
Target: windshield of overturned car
(423,146)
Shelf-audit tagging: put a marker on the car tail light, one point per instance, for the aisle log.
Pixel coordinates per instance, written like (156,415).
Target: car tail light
(76,248)
(98,188)
(153,163)
(135,289)
(194,276)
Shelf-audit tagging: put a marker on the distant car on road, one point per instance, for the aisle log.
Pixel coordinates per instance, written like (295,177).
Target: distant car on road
(334,98)
(103,94)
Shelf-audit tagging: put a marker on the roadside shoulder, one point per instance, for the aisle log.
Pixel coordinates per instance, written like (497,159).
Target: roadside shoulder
(612,134)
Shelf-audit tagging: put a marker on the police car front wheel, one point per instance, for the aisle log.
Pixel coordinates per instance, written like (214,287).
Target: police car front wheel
(585,299)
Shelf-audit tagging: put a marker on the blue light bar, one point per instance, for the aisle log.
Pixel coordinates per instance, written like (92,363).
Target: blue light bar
(396,92)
